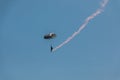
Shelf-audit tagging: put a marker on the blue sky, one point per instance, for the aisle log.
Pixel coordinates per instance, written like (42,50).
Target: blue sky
(94,54)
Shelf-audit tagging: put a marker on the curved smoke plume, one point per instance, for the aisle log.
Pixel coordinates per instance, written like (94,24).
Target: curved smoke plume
(88,19)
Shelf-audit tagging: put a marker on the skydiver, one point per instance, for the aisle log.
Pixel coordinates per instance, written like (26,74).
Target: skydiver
(50,36)
(51,48)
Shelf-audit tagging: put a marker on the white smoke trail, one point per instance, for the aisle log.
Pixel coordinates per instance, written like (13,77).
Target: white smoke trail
(98,11)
